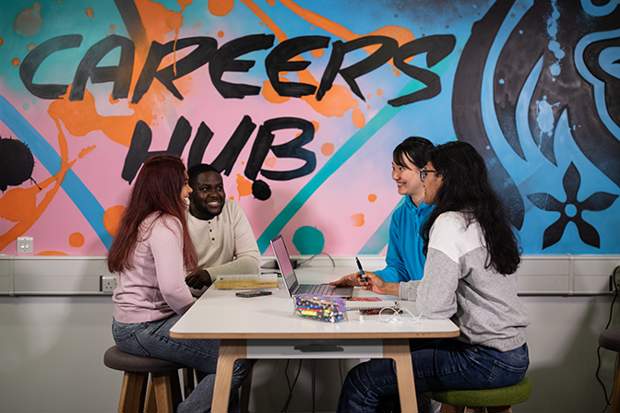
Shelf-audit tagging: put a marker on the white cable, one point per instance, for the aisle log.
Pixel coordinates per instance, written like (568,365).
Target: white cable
(395,316)
(303,262)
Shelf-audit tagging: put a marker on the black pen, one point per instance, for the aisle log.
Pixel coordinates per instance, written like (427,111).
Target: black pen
(363,277)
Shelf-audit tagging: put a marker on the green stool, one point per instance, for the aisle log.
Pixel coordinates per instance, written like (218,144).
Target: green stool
(491,400)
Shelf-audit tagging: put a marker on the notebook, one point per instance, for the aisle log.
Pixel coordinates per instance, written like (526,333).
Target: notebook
(290,278)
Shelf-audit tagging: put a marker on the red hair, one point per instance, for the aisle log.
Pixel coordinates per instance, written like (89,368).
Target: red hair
(156,190)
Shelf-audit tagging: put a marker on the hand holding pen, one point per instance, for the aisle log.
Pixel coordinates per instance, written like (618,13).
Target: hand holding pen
(362,274)
(355,279)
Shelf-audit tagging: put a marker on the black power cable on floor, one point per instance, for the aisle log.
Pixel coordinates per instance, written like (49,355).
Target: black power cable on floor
(615,279)
(313,368)
(291,386)
(288,380)
(598,378)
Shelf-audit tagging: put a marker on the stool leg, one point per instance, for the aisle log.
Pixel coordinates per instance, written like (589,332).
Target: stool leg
(150,404)
(175,385)
(167,391)
(246,388)
(188,381)
(132,392)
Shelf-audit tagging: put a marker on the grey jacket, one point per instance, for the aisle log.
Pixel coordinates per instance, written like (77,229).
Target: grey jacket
(456,285)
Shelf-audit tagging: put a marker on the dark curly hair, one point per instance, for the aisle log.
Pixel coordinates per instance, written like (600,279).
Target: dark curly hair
(198,169)
(466,188)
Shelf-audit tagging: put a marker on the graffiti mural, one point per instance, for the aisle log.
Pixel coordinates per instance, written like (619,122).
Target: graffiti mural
(299,103)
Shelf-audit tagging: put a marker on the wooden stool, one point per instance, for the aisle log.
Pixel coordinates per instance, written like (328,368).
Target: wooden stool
(163,394)
(610,340)
(489,400)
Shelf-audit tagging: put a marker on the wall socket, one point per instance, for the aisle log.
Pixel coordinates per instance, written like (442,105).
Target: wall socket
(25,245)
(107,283)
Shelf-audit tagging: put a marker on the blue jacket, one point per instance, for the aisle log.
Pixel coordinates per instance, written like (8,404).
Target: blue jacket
(405,257)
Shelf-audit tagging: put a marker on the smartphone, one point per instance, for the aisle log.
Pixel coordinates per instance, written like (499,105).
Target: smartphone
(249,294)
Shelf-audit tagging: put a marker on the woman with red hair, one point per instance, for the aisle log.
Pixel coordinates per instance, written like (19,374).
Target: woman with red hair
(152,253)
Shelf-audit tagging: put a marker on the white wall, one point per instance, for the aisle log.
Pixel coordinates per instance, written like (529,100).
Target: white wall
(51,352)
(51,355)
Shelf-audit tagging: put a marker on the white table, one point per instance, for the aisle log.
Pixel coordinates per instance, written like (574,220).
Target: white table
(266,328)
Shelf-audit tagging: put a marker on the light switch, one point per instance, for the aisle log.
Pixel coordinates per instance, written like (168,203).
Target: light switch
(25,245)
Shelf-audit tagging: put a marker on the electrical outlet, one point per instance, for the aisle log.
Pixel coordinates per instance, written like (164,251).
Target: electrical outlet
(25,245)
(107,283)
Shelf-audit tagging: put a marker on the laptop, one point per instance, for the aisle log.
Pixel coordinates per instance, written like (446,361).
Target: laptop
(290,279)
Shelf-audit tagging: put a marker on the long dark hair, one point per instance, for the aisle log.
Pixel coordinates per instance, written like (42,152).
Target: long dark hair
(156,190)
(466,188)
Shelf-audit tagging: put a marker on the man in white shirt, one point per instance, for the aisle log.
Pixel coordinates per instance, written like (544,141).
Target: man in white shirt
(220,231)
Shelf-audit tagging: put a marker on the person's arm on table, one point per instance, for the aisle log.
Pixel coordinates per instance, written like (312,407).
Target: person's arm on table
(377,285)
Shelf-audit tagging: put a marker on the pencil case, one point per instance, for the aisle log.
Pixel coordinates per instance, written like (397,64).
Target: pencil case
(320,307)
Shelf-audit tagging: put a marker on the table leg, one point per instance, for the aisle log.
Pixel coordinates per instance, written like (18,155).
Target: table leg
(399,351)
(230,351)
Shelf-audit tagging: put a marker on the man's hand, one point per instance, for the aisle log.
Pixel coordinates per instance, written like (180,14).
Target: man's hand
(198,279)
(377,285)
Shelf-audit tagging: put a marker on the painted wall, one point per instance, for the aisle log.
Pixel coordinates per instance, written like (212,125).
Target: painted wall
(300,104)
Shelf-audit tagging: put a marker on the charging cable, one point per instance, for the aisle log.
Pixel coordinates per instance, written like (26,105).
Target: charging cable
(395,313)
(307,260)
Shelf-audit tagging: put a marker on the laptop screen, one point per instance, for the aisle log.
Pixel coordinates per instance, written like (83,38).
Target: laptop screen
(284,262)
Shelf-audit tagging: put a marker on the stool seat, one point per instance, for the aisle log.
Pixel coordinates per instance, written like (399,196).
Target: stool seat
(116,359)
(610,339)
(501,396)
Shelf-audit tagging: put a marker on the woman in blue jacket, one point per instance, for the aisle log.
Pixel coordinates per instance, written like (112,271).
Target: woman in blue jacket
(405,257)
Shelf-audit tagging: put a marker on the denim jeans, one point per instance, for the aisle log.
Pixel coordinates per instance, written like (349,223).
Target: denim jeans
(152,339)
(437,365)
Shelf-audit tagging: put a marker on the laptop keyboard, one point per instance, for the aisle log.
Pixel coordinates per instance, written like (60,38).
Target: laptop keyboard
(319,289)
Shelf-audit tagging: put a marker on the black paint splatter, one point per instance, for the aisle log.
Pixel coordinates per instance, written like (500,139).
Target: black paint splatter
(261,190)
(16,163)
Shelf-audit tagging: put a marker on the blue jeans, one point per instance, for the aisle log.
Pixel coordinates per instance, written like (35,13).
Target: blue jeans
(437,365)
(152,339)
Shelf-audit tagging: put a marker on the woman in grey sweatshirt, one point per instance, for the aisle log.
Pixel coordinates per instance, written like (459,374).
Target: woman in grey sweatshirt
(472,255)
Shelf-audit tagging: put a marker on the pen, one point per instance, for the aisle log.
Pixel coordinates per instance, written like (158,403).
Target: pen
(363,277)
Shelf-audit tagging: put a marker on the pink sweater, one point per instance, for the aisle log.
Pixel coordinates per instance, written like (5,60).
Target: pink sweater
(155,287)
